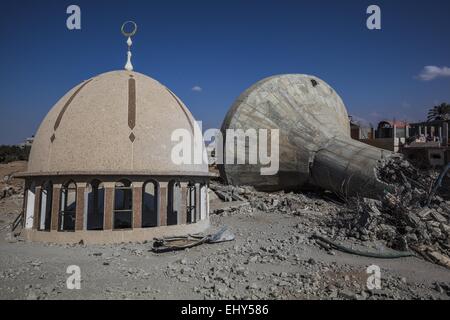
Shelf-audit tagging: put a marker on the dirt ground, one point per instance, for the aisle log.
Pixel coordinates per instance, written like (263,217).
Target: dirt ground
(6,171)
(272,257)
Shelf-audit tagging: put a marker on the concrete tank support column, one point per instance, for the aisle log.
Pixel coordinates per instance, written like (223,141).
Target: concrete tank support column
(79,215)
(37,204)
(56,198)
(109,205)
(184,204)
(137,204)
(347,167)
(162,204)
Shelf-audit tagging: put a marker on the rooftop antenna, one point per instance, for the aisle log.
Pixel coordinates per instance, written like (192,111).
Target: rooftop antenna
(128,65)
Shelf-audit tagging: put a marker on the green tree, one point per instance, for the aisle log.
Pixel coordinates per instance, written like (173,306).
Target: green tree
(13,153)
(439,112)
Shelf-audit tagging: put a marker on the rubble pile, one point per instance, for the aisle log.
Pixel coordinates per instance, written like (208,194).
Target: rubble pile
(9,187)
(402,217)
(401,173)
(272,257)
(279,202)
(8,191)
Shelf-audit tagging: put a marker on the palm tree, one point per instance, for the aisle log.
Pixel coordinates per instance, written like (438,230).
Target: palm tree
(439,112)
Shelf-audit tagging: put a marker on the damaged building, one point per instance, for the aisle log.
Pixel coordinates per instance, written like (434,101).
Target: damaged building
(315,145)
(429,145)
(383,196)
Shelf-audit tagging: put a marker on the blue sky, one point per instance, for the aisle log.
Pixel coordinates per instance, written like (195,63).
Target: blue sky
(223,47)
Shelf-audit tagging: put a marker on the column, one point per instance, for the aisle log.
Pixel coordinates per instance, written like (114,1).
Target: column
(79,214)
(137,204)
(198,202)
(25,202)
(163,195)
(56,203)
(184,204)
(207,200)
(109,205)
(37,209)
(203,200)
(89,190)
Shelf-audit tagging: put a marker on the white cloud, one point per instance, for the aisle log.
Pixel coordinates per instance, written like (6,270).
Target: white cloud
(197,89)
(432,72)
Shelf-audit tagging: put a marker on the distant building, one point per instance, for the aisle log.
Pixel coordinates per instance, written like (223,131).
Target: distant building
(426,144)
(436,131)
(389,135)
(360,130)
(392,129)
(27,142)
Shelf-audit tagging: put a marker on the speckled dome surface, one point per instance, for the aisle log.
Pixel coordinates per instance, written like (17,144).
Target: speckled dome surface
(116,122)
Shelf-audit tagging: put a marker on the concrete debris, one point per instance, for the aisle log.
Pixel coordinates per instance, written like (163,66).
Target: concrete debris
(8,185)
(402,218)
(298,204)
(9,191)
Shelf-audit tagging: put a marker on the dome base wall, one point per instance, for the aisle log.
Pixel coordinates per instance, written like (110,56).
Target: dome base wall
(115,236)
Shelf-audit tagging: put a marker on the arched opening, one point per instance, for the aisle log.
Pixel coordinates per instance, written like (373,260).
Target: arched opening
(94,215)
(191,205)
(45,210)
(123,205)
(150,193)
(29,213)
(68,205)
(174,203)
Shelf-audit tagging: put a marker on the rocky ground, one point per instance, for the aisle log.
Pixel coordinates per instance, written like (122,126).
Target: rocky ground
(11,194)
(272,257)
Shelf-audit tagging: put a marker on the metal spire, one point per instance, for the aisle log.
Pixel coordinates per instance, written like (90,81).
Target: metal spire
(128,65)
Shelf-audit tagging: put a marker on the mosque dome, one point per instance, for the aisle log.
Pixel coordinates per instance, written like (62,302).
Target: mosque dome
(118,122)
(101,165)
